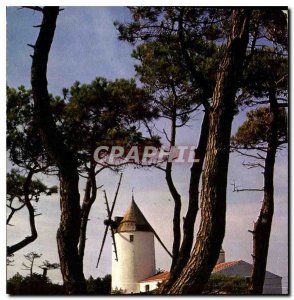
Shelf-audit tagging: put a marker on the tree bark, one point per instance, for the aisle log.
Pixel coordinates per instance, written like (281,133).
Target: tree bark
(34,234)
(213,195)
(68,232)
(262,227)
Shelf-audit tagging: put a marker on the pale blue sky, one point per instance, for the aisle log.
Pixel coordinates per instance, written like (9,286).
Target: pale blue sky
(85,46)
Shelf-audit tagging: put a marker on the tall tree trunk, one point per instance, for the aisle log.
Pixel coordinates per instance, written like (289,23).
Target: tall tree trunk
(89,199)
(262,227)
(189,220)
(68,232)
(176,196)
(213,195)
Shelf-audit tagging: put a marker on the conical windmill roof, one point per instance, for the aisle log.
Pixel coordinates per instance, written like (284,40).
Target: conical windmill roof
(134,220)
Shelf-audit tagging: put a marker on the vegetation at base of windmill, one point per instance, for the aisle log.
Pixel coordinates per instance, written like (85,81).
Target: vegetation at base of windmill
(36,284)
(220,284)
(118,291)
(99,286)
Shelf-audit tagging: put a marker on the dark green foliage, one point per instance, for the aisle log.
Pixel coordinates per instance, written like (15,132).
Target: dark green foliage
(103,112)
(37,284)
(23,138)
(15,182)
(255,131)
(14,284)
(166,45)
(33,285)
(99,286)
(268,67)
(220,284)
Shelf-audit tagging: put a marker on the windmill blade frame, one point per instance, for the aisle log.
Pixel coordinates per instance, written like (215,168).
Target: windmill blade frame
(109,222)
(161,242)
(107,205)
(106,228)
(110,227)
(116,193)
(114,244)
(102,245)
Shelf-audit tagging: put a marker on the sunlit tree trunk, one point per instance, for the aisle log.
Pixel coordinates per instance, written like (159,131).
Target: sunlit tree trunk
(213,195)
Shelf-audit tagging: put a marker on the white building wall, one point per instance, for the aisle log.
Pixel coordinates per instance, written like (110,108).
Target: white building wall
(152,285)
(136,260)
(272,283)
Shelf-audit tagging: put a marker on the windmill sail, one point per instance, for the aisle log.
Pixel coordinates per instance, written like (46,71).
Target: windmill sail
(110,224)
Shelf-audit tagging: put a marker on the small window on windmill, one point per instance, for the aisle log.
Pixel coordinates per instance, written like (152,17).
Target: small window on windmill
(131,238)
(147,288)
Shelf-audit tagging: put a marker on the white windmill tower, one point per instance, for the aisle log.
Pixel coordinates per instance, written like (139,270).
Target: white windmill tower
(133,257)
(135,248)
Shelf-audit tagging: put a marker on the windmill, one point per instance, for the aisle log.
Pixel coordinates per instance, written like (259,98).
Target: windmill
(117,225)
(109,223)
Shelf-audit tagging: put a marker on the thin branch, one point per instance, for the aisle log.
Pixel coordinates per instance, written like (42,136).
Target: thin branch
(148,128)
(35,8)
(250,165)
(189,111)
(237,189)
(166,136)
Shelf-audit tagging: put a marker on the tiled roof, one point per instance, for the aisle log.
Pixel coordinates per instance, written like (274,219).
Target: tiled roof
(224,265)
(158,277)
(164,275)
(134,220)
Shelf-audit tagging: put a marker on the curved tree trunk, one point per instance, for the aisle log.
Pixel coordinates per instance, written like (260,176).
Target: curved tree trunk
(213,196)
(262,227)
(34,234)
(68,232)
